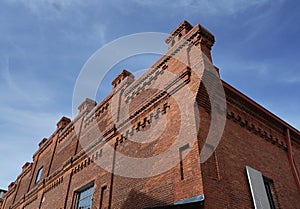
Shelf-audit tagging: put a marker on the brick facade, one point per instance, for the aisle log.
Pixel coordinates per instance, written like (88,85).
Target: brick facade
(253,136)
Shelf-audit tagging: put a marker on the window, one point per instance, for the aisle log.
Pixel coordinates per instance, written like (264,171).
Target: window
(261,189)
(38,175)
(268,185)
(84,197)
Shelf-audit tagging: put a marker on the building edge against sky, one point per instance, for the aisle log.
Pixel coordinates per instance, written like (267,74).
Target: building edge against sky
(258,153)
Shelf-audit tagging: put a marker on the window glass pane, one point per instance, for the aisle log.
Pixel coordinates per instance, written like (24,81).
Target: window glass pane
(38,175)
(85,198)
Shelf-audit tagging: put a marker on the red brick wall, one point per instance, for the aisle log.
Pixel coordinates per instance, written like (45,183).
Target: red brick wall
(238,148)
(65,149)
(23,185)
(55,193)
(43,159)
(296,154)
(7,201)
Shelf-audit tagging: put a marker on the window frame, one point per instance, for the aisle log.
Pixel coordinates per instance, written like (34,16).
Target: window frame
(39,175)
(79,191)
(268,183)
(262,189)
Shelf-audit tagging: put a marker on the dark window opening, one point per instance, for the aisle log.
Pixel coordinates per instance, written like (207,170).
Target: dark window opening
(268,185)
(179,36)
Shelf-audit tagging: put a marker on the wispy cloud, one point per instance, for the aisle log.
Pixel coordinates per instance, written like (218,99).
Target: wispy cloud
(280,108)
(261,22)
(37,5)
(24,119)
(21,131)
(28,90)
(28,120)
(95,34)
(291,80)
(52,9)
(213,7)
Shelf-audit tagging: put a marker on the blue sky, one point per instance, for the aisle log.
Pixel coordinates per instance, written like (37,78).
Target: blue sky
(45,43)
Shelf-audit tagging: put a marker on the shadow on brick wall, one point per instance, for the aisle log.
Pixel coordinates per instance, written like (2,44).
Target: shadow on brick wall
(138,200)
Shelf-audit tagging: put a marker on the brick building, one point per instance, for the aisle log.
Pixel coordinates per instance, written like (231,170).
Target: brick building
(2,192)
(255,164)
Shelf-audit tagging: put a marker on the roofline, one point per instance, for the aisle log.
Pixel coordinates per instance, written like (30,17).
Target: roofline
(260,107)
